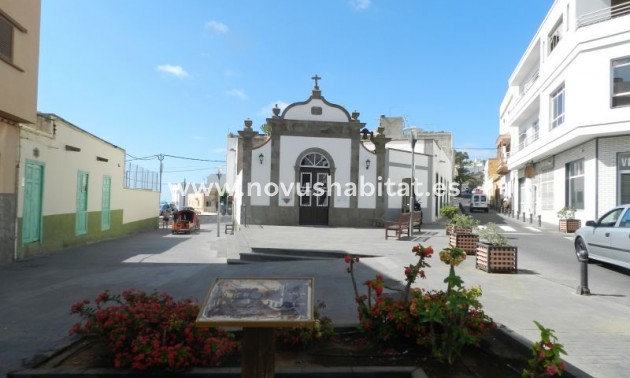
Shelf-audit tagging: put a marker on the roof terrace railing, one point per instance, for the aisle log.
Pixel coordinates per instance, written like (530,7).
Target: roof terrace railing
(603,14)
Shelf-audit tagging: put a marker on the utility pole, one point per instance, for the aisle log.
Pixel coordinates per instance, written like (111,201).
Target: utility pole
(161,159)
(219,202)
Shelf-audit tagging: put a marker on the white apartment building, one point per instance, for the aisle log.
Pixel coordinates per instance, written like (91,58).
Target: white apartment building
(565,119)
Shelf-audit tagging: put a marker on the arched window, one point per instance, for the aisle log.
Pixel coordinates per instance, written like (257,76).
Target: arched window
(314,160)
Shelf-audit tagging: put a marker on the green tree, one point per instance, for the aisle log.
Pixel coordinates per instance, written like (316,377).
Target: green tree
(461,166)
(266,128)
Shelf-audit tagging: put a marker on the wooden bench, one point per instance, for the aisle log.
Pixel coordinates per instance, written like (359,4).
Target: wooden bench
(229,227)
(401,225)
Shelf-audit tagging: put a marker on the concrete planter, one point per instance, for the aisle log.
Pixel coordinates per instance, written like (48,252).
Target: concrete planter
(495,259)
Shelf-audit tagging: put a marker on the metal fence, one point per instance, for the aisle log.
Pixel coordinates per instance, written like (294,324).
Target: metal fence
(137,177)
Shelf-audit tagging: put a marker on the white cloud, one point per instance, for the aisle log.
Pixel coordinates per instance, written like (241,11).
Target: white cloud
(267,112)
(361,5)
(217,26)
(218,150)
(237,93)
(173,70)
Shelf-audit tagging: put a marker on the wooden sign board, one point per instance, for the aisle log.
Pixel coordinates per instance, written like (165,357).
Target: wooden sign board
(258,302)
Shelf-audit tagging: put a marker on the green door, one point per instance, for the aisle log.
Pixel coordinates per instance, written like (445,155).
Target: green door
(106,215)
(32,213)
(82,198)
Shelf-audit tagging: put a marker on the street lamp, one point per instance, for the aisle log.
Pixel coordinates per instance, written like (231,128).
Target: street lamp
(413,138)
(219,202)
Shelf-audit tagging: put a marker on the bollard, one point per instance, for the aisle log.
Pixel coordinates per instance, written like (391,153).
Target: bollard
(531,218)
(539,221)
(524,217)
(582,257)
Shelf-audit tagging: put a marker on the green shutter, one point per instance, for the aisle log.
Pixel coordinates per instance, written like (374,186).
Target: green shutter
(82,197)
(32,209)
(106,214)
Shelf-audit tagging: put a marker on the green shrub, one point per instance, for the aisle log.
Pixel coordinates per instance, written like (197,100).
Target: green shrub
(449,211)
(490,234)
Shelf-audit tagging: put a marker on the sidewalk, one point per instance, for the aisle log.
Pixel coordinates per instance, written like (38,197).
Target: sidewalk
(37,294)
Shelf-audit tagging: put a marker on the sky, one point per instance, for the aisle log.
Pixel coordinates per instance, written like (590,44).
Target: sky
(175,77)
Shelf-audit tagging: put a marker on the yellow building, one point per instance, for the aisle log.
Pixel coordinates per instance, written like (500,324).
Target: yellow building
(75,189)
(19,57)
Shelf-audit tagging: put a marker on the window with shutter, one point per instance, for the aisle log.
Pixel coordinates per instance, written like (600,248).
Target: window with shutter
(6,39)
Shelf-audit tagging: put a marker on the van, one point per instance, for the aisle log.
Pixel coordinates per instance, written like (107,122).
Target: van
(479,202)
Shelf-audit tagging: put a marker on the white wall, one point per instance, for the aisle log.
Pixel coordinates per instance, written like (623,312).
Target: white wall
(329,113)
(400,168)
(367,176)
(261,174)
(136,204)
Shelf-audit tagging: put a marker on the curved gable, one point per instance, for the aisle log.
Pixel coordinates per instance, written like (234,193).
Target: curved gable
(316,108)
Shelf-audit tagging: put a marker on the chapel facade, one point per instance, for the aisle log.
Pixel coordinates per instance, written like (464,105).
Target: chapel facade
(321,166)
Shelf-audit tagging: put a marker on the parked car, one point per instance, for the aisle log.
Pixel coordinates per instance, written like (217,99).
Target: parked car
(606,239)
(170,206)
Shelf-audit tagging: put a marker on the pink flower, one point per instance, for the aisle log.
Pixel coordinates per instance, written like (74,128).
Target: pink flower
(551,370)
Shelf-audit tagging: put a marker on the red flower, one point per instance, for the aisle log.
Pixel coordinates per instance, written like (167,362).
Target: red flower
(378,290)
(408,270)
(428,251)
(552,370)
(348,259)
(422,275)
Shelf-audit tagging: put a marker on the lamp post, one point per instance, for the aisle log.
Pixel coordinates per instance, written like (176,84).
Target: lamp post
(413,138)
(219,202)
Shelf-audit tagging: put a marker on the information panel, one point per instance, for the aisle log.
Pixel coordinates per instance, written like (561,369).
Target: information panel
(258,302)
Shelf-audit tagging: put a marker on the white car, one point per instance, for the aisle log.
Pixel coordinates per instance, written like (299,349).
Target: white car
(606,239)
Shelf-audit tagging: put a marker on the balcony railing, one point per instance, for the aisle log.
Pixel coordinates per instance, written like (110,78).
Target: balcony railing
(527,141)
(603,15)
(502,167)
(528,84)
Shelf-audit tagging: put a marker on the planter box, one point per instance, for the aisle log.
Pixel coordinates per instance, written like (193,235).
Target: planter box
(465,241)
(497,259)
(569,225)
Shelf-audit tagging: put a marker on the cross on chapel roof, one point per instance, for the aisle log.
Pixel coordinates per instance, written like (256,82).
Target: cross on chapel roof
(316,78)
